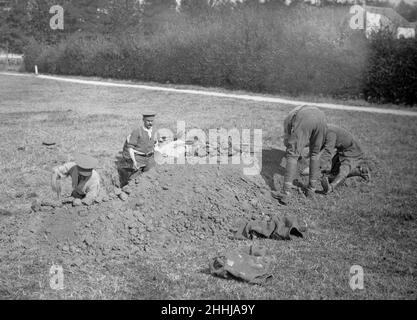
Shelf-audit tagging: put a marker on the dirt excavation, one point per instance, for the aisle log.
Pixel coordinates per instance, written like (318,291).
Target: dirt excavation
(167,209)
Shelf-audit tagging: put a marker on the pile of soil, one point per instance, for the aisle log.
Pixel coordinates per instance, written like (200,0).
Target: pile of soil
(172,206)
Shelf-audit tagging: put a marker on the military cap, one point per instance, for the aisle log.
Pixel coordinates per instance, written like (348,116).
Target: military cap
(149,114)
(85,163)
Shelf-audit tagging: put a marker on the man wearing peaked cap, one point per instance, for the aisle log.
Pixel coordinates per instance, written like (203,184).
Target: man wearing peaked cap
(85,164)
(138,150)
(85,180)
(150,115)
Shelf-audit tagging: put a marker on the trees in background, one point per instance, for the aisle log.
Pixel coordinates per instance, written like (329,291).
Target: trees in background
(13,22)
(407,10)
(251,46)
(31,19)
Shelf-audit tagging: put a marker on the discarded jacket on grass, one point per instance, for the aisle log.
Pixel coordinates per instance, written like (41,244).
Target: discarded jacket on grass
(241,266)
(279,228)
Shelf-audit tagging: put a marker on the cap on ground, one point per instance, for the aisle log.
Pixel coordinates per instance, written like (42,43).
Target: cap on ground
(149,114)
(85,162)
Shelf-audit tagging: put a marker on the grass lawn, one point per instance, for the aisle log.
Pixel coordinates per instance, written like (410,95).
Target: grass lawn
(371,225)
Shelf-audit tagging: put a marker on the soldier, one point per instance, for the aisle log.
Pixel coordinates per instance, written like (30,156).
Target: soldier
(304,126)
(138,150)
(342,157)
(85,180)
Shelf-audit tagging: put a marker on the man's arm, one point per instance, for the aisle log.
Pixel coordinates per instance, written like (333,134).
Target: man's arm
(63,171)
(56,184)
(132,141)
(58,173)
(132,156)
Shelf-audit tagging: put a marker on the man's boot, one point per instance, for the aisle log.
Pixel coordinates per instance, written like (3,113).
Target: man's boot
(330,187)
(361,171)
(313,175)
(290,172)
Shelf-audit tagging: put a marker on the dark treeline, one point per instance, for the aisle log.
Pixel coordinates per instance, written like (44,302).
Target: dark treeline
(273,48)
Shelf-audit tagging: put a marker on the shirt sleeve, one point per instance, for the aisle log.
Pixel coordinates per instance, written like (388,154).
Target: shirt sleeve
(64,170)
(328,150)
(134,138)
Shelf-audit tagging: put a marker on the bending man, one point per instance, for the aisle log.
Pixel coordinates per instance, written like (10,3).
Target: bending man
(304,126)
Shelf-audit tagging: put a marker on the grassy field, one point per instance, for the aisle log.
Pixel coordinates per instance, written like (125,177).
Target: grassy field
(372,225)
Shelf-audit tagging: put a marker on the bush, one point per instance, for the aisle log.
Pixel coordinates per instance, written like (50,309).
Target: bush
(302,50)
(391,75)
(32,52)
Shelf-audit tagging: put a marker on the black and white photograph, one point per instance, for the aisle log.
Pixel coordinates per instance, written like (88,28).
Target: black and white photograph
(221,151)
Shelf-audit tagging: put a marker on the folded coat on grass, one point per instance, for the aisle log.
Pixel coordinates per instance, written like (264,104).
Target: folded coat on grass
(279,228)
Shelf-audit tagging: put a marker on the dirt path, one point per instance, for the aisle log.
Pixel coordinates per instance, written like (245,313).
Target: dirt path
(222,95)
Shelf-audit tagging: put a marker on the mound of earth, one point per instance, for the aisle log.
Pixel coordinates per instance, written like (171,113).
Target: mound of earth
(172,206)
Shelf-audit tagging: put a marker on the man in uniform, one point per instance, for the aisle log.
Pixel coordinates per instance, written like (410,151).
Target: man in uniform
(341,158)
(304,126)
(138,150)
(85,180)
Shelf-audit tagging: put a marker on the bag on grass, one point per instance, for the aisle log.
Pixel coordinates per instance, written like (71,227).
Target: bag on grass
(241,266)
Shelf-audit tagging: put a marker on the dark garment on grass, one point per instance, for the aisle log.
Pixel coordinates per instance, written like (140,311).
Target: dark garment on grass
(279,228)
(340,148)
(241,266)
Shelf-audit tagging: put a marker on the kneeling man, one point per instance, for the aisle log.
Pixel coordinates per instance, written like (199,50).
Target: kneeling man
(85,180)
(342,157)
